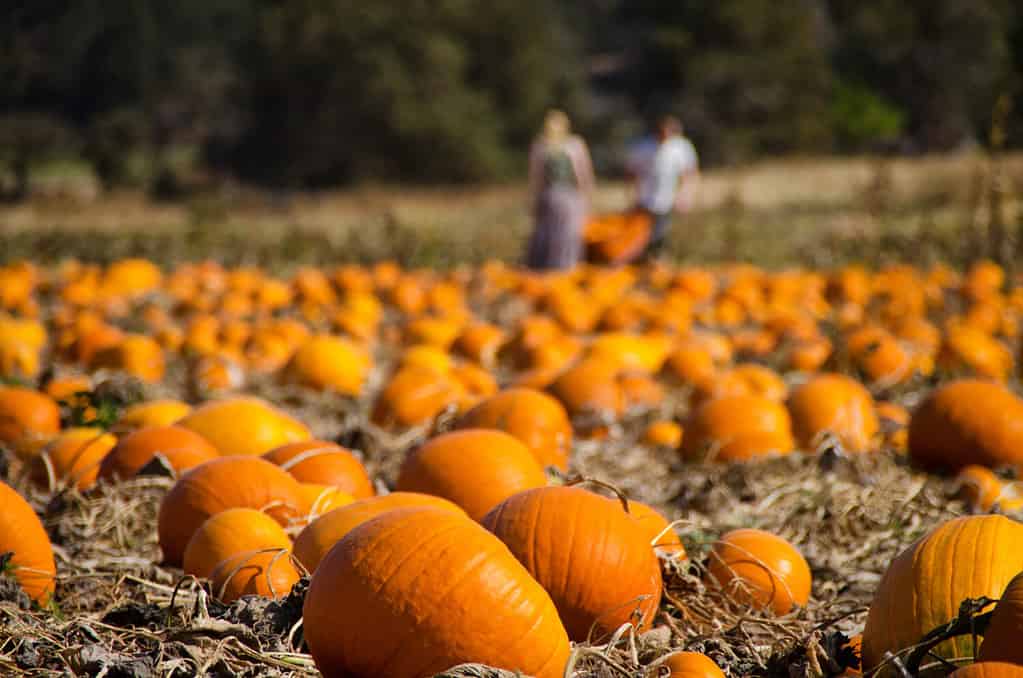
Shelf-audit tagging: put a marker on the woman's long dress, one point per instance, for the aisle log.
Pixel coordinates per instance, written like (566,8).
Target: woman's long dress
(556,241)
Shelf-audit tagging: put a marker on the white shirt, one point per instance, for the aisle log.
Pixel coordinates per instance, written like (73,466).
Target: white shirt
(658,167)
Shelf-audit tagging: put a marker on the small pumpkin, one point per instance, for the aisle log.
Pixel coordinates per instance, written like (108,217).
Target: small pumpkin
(474,468)
(966,557)
(426,584)
(590,386)
(231,533)
(414,395)
(326,463)
(738,428)
(268,573)
(319,536)
(331,363)
(979,487)
(153,413)
(181,448)
(758,568)
(244,426)
(663,433)
(688,665)
(1002,638)
(220,484)
(836,404)
(569,539)
(72,458)
(534,417)
(22,534)
(26,413)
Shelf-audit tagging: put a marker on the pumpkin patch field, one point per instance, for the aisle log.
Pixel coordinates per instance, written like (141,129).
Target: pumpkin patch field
(632,471)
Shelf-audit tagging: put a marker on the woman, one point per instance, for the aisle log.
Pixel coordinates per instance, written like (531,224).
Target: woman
(560,183)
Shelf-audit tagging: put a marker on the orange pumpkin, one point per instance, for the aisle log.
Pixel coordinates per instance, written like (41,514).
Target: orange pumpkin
(569,539)
(319,536)
(153,413)
(658,530)
(736,428)
(331,363)
(836,404)
(760,569)
(481,342)
(590,386)
(22,534)
(690,665)
(138,355)
(231,533)
(535,418)
(179,447)
(265,573)
(967,422)
(1001,641)
(432,562)
(414,395)
(320,499)
(240,426)
(26,413)
(72,458)
(988,669)
(663,433)
(474,468)
(318,461)
(749,379)
(220,484)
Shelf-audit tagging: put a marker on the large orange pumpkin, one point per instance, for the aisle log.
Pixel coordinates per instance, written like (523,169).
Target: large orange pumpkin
(836,404)
(1002,639)
(474,468)
(432,590)
(570,540)
(735,428)
(239,426)
(758,568)
(227,482)
(72,458)
(535,418)
(963,558)
(317,538)
(23,535)
(231,533)
(181,448)
(26,413)
(326,463)
(967,422)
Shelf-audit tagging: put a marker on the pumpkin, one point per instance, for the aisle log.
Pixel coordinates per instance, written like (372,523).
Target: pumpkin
(72,458)
(761,569)
(136,354)
(692,364)
(231,533)
(988,669)
(746,379)
(836,404)
(153,413)
(570,539)
(1002,639)
(317,538)
(220,484)
(535,418)
(319,499)
(590,386)
(414,395)
(976,351)
(966,557)
(480,342)
(132,277)
(979,487)
(688,665)
(658,530)
(736,428)
(474,468)
(268,573)
(663,433)
(967,422)
(331,363)
(180,448)
(325,463)
(432,590)
(22,534)
(240,426)
(26,413)
(63,389)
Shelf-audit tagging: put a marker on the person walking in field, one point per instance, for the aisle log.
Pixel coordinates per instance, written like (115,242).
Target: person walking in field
(665,170)
(561,184)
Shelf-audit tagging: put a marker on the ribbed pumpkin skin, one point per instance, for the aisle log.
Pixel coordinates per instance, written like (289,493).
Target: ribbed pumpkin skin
(75,456)
(227,482)
(657,529)
(474,468)
(325,463)
(317,538)
(26,412)
(240,426)
(570,540)
(967,422)
(741,427)
(985,669)
(534,417)
(837,404)
(22,533)
(692,665)
(432,589)
(963,558)
(1003,641)
(246,575)
(183,449)
(773,572)
(231,533)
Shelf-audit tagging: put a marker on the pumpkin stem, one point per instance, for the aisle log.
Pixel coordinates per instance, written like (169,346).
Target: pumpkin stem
(600,483)
(968,621)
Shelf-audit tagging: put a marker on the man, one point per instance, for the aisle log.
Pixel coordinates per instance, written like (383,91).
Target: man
(665,171)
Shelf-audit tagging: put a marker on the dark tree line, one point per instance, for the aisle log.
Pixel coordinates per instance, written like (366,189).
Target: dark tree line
(300,93)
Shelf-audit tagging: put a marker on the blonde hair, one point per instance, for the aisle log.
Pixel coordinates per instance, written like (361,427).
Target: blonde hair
(556,126)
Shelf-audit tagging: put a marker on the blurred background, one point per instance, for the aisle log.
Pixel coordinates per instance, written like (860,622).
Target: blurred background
(301,116)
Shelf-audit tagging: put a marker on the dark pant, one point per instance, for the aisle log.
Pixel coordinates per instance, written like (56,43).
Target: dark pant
(658,233)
